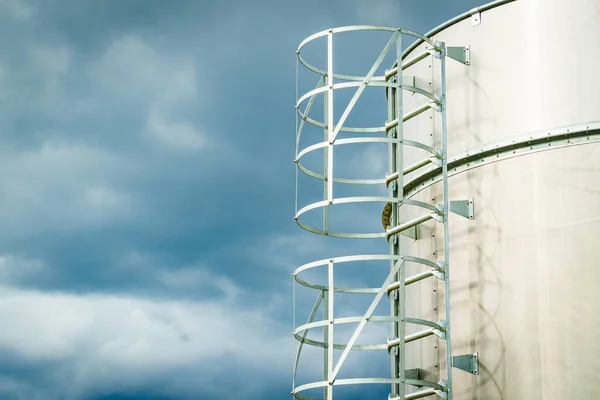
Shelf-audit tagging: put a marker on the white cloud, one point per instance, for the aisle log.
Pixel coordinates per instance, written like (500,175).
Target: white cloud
(132,69)
(128,340)
(62,186)
(196,278)
(17,9)
(4,89)
(14,268)
(52,61)
(180,136)
(105,203)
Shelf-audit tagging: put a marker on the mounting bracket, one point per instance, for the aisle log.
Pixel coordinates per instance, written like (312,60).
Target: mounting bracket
(464,208)
(460,54)
(467,362)
(475,16)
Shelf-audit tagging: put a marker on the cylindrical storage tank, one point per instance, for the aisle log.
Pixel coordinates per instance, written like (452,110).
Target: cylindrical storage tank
(523,142)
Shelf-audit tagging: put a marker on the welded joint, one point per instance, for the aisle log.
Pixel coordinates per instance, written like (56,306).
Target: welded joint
(393,351)
(440,333)
(391,124)
(440,275)
(441,266)
(392,344)
(436,51)
(437,158)
(439,215)
(391,177)
(443,393)
(437,104)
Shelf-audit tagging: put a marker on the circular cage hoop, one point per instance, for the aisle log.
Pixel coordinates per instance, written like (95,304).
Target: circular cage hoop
(311,94)
(327,85)
(300,332)
(339,142)
(342,200)
(354,28)
(355,140)
(360,381)
(349,259)
(340,260)
(355,200)
(331,263)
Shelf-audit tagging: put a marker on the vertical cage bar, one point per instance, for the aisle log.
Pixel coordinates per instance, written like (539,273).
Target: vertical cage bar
(326,163)
(393,221)
(330,294)
(295,349)
(326,362)
(400,195)
(297,137)
(446,228)
(393,240)
(330,121)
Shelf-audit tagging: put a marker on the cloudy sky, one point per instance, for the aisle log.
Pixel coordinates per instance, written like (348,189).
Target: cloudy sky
(147,192)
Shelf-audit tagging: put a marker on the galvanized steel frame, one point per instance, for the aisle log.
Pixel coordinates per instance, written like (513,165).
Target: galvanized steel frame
(396,280)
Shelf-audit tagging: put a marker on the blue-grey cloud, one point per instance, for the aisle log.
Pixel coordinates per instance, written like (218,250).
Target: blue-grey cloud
(146,193)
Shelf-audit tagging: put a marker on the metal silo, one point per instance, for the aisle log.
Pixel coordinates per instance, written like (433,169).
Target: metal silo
(500,124)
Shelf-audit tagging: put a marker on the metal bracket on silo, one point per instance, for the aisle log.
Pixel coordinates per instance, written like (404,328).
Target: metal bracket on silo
(475,16)
(464,208)
(460,54)
(467,362)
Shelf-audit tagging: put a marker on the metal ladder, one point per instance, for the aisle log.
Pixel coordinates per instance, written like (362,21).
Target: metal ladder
(394,224)
(394,221)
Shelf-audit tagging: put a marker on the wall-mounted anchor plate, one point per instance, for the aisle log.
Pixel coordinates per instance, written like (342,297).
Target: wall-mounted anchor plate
(464,208)
(460,54)
(475,16)
(467,362)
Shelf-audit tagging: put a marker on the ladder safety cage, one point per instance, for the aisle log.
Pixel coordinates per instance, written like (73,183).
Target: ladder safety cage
(392,134)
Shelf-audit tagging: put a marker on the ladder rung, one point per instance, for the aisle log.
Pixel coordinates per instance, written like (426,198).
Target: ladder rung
(416,166)
(419,335)
(413,167)
(407,64)
(411,279)
(419,110)
(420,394)
(411,338)
(416,395)
(408,224)
(416,112)
(416,59)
